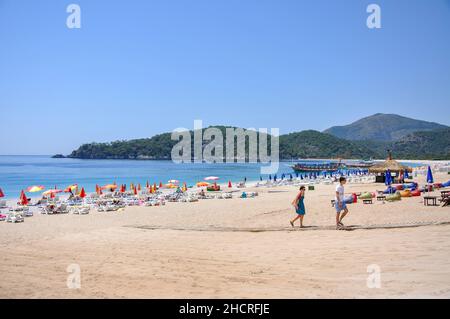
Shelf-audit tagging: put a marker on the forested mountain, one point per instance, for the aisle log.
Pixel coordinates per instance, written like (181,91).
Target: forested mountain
(382,127)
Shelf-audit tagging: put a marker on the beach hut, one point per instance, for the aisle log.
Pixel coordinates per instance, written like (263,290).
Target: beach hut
(389,165)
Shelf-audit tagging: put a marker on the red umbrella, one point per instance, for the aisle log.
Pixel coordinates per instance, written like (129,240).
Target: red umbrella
(122,188)
(23,199)
(229,184)
(135,191)
(1,193)
(147,185)
(139,187)
(82,193)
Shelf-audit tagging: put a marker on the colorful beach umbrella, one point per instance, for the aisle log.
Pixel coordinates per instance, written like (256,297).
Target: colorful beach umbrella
(52,192)
(82,193)
(71,188)
(430,179)
(23,199)
(202,184)
(35,189)
(1,193)
(110,186)
(229,184)
(211,178)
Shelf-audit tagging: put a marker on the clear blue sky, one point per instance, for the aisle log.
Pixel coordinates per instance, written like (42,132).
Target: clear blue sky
(137,68)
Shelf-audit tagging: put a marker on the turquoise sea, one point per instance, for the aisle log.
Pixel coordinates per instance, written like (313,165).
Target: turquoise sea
(19,172)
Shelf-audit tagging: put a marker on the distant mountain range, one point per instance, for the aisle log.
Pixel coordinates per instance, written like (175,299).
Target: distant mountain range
(382,127)
(370,137)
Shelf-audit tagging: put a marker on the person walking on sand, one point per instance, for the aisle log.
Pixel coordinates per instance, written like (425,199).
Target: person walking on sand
(340,204)
(299,206)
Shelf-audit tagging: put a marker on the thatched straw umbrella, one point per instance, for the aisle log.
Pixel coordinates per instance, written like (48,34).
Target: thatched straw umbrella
(389,164)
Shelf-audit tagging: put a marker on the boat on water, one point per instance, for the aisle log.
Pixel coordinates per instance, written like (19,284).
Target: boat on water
(317,167)
(332,166)
(360,164)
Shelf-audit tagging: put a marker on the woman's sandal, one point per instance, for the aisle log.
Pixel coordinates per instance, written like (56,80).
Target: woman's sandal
(292,224)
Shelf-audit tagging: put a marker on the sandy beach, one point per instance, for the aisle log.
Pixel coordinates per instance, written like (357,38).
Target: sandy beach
(233,248)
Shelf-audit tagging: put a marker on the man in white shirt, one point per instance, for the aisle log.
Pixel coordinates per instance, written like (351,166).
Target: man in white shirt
(340,204)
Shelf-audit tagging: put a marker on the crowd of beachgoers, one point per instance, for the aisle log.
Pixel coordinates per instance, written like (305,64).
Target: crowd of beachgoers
(115,197)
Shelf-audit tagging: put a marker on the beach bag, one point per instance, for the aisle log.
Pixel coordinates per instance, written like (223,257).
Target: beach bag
(394,197)
(405,193)
(416,193)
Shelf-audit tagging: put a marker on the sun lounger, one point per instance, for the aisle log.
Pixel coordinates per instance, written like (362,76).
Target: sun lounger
(80,210)
(27,212)
(46,210)
(63,209)
(3,204)
(14,217)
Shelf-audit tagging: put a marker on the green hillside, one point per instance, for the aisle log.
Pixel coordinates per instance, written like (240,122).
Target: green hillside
(382,127)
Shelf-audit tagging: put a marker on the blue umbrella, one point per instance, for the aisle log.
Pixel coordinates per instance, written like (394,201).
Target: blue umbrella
(275,177)
(406,175)
(430,179)
(387,178)
(290,176)
(270,177)
(260,178)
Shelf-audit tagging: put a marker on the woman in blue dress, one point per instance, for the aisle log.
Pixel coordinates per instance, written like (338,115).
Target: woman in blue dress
(299,206)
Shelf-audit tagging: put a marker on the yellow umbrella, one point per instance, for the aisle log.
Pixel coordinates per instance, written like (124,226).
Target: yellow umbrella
(71,188)
(34,189)
(202,184)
